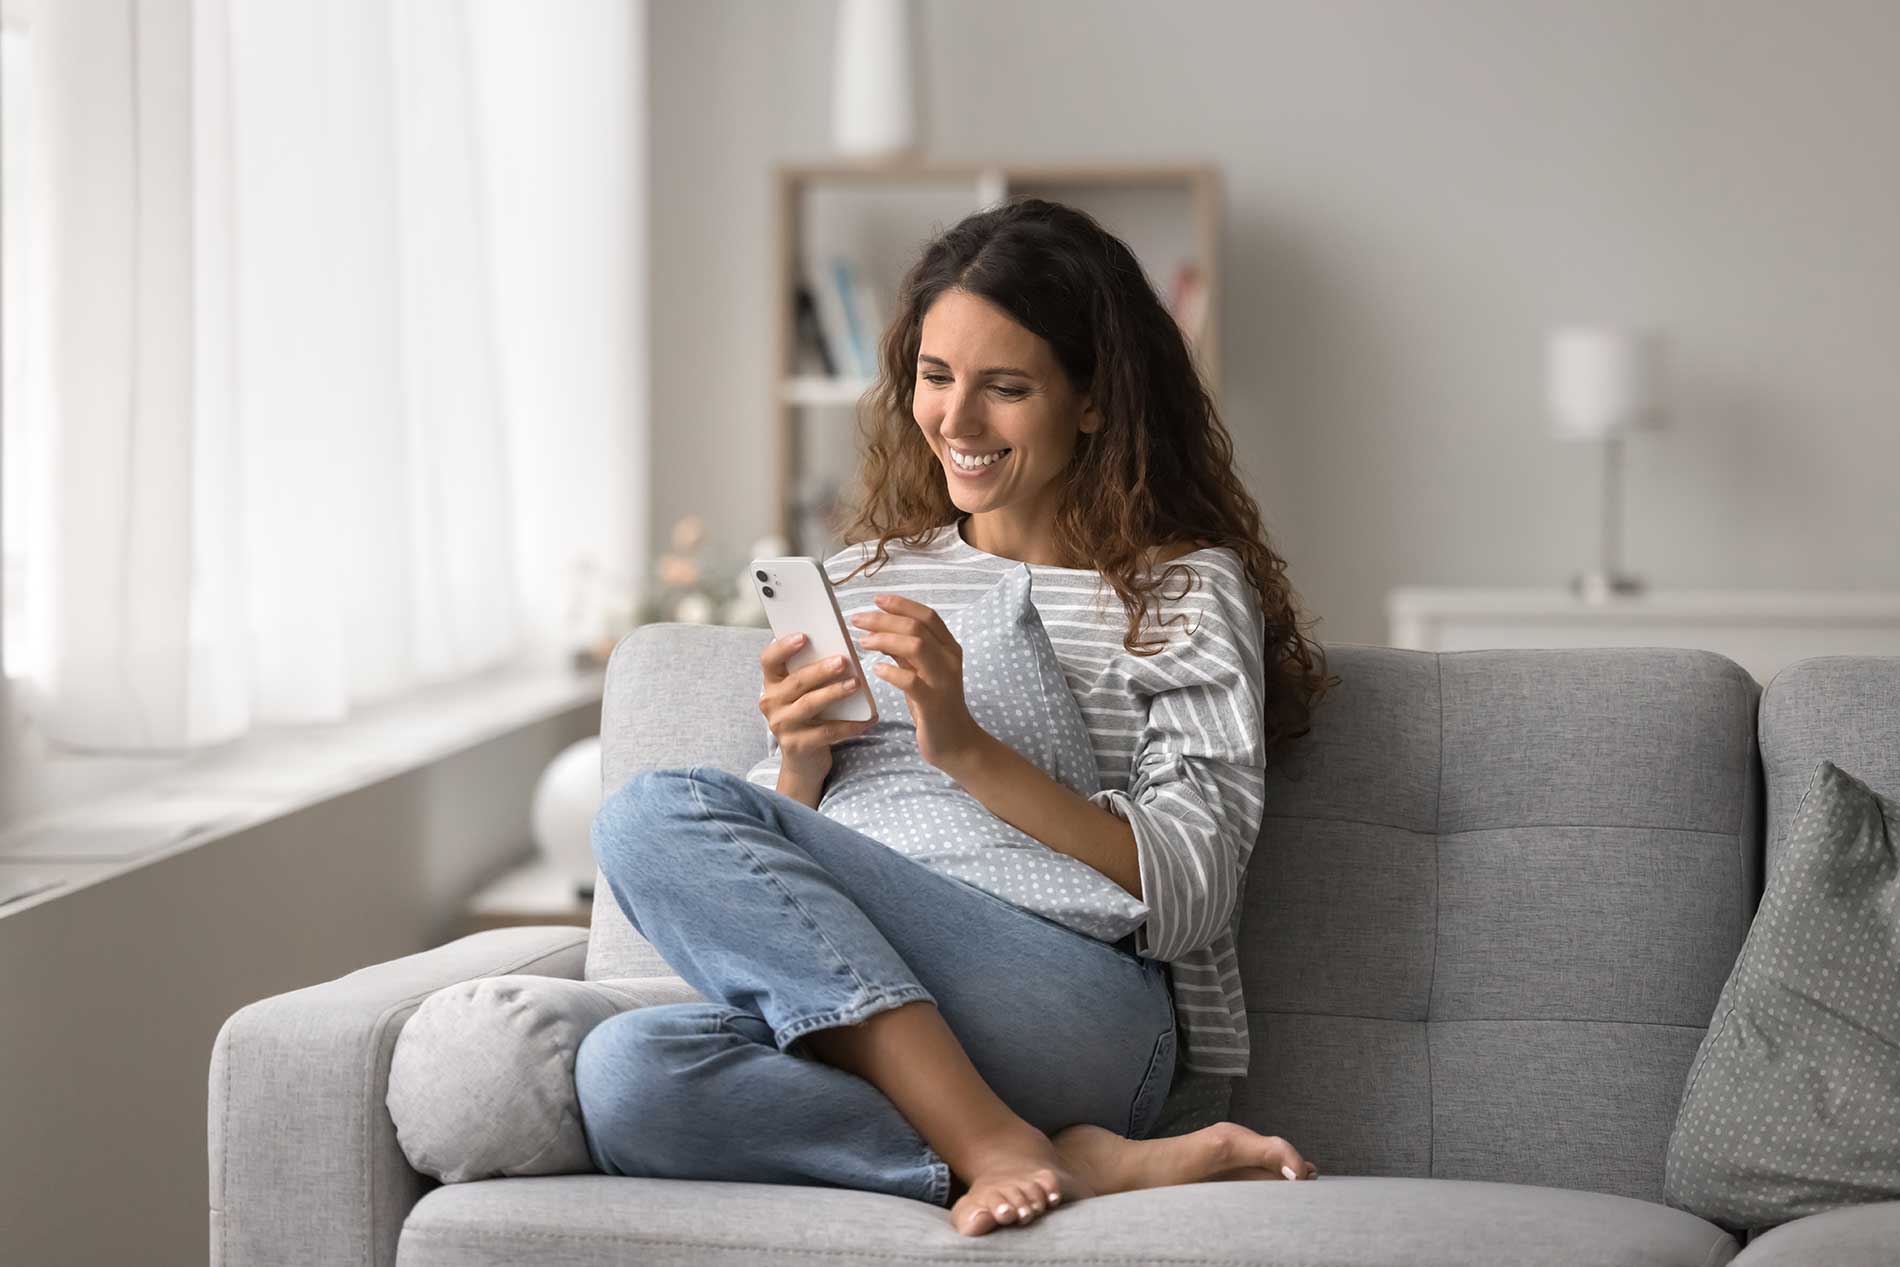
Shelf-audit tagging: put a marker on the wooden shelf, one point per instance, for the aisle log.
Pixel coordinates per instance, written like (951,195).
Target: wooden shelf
(879,214)
(817,389)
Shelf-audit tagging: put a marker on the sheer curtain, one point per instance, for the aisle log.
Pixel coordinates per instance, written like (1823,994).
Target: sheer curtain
(303,457)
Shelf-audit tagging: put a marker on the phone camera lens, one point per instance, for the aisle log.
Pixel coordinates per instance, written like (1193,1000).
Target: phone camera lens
(760,575)
(767,591)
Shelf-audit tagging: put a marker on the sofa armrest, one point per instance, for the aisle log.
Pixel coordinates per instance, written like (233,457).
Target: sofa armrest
(305,1167)
(1852,1236)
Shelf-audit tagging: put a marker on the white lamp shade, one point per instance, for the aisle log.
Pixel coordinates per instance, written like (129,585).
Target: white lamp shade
(1601,381)
(873,101)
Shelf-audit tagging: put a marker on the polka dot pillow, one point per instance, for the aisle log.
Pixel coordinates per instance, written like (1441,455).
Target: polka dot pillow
(1792,1105)
(881,785)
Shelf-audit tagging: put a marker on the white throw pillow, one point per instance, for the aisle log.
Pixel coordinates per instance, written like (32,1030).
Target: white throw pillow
(481,1082)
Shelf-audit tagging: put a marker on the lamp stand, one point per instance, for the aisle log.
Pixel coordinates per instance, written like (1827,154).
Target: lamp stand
(1609,581)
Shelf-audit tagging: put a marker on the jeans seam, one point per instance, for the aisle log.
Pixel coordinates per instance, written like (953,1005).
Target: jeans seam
(692,780)
(1141,1091)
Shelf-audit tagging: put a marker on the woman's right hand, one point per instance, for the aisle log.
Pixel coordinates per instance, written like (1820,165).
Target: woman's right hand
(792,701)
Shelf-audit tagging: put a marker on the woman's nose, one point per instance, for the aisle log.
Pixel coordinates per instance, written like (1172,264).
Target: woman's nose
(959,411)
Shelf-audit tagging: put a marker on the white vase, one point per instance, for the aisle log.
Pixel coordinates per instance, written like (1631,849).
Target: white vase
(566,798)
(873,92)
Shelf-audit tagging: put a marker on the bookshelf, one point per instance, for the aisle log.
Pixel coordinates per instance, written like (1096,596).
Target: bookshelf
(877,216)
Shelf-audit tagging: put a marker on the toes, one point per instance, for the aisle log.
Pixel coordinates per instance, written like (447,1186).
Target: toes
(1283,1157)
(976,1221)
(1051,1186)
(1017,1201)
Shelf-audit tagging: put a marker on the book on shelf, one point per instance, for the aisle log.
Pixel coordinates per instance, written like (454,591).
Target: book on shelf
(810,343)
(844,276)
(833,328)
(870,324)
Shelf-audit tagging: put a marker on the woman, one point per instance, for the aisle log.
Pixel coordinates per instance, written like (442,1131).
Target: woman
(875,1024)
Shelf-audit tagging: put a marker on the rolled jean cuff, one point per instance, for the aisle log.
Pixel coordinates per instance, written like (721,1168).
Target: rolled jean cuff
(859,1009)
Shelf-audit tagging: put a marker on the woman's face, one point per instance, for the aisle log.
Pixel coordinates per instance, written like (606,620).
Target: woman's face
(985,385)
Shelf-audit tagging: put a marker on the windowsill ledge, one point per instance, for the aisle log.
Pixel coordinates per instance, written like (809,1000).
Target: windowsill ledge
(273,773)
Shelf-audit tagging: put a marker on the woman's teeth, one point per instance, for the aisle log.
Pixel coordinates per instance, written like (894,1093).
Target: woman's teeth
(977,464)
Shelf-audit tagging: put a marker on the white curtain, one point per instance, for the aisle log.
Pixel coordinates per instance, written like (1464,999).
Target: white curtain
(294,418)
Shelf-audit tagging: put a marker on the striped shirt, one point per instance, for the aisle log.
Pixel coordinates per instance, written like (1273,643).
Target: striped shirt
(1178,738)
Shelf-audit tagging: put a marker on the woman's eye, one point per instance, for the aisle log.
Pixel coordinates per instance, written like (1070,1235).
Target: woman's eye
(1010,393)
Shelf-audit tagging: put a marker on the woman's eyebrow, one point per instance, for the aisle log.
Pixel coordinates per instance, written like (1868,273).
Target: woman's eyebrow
(994,369)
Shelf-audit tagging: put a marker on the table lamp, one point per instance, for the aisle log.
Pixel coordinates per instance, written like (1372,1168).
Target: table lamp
(1602,383)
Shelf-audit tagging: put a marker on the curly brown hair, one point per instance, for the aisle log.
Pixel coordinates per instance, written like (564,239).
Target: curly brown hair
(1059,274)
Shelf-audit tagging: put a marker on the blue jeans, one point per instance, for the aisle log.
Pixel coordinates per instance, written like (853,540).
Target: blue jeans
(788,922)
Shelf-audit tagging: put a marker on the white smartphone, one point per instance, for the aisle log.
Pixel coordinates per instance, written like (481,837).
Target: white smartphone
(798,599)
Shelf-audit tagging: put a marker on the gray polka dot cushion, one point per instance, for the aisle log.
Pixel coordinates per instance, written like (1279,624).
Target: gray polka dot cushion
(881,785)
(1792,1105)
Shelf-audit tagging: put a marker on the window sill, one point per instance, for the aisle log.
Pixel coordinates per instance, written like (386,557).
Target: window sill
(273,773)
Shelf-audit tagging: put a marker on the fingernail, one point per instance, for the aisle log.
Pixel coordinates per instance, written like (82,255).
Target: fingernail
(1288,1172)
(1054,1197)
(794,640)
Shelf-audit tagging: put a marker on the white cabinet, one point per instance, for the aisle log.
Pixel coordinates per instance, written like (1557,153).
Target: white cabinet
(1761,630)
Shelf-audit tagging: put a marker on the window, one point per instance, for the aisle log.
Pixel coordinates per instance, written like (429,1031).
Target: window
(23,343)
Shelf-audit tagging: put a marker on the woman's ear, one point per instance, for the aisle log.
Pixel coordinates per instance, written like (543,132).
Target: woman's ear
(1091,421)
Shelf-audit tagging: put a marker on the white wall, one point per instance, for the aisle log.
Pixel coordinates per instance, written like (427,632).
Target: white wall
(1415,189)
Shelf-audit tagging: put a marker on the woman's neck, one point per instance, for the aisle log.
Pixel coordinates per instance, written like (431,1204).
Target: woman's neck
(973,536)
(1007,542)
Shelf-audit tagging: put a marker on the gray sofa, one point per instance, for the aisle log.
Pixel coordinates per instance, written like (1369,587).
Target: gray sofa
(1490,911)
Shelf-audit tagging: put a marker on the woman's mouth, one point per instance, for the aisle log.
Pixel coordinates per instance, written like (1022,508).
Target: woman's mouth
(980,470)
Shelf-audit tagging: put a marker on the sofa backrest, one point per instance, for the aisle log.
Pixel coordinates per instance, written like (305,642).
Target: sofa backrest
(1842,708)
(676,695)
(1490,909)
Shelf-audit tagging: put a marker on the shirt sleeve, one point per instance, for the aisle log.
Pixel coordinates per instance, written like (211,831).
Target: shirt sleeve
(765,773)
(1196,790)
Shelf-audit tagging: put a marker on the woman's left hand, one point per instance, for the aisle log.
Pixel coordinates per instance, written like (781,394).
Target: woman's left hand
(929,670)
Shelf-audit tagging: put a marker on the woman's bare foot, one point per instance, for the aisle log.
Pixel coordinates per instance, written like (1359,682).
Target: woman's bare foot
(1013,1181)
(1110,1163)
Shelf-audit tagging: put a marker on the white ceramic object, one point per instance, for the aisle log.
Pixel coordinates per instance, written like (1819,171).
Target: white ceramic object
(873,93)
(566,799)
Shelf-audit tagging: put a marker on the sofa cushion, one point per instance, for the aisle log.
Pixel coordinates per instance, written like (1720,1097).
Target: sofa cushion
(1345,1222)
(1792,1106)
(481,1082)
(1853,1236)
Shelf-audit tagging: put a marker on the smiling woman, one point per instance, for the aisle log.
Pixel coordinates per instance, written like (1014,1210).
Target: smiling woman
(992,401)
(1038,425)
